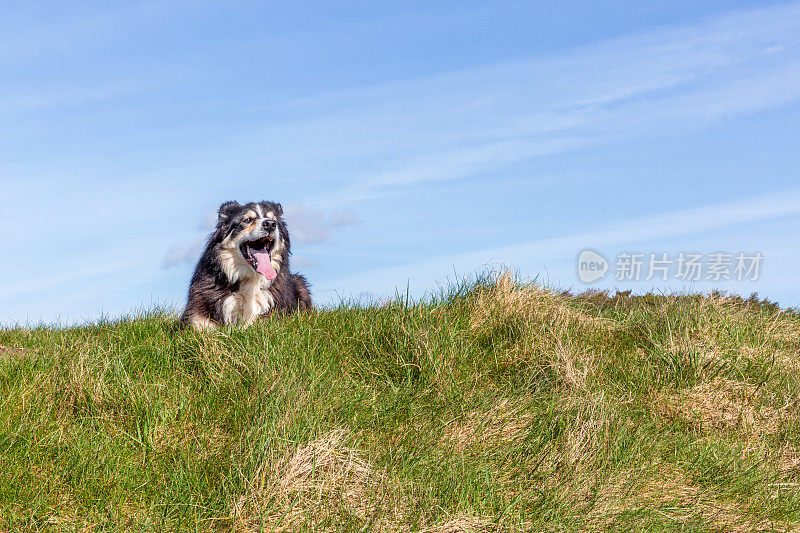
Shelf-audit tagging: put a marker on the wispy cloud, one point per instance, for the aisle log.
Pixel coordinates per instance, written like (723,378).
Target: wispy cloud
(379,140)
(472,121)
(629,232)
(303,263)
(73,30)
(186,253)
(374,141)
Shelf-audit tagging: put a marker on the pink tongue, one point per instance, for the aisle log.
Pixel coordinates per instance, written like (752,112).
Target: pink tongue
(264,264)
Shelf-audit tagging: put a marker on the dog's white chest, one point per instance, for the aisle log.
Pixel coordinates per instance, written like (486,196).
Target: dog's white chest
(248,303)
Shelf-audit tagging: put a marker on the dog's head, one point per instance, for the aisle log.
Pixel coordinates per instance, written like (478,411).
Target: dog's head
(254,236)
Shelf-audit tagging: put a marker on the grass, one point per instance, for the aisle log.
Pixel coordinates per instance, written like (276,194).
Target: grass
(496,406)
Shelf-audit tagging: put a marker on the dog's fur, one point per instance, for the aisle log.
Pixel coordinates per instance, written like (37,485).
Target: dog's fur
(226,288)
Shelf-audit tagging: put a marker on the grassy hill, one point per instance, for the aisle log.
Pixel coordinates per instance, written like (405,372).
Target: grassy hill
(498,406)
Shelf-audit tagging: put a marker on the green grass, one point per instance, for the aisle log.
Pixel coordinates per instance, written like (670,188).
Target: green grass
(496,406)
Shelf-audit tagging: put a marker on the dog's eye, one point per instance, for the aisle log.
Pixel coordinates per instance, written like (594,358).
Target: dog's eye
(247,220)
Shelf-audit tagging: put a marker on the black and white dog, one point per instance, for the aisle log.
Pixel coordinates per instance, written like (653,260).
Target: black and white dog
(243,273)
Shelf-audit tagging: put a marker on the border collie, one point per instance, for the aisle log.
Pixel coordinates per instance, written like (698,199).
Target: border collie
(243,273)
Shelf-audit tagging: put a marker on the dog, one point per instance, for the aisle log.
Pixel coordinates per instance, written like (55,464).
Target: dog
(243,274)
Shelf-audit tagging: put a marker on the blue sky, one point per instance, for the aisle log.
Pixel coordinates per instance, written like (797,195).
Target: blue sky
(410,142)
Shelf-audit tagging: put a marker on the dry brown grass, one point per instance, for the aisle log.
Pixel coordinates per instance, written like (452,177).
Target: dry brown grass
(567,464)
(81,383)
(10,351)
(502,422)
(324,481)
(552,334)
(770,338)
(512,297)
(784,329)
(789,468)
(550,327)
(668,492)
(464,524)
(204,442)
(725,405)
(786,333)
(779,347)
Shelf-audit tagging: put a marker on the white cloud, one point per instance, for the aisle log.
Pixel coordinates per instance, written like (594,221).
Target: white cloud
(309,224)
(208,221)
(303,262)
(189,252)
(181,254)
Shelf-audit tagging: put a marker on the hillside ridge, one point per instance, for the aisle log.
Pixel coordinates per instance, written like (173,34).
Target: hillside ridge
(496,405)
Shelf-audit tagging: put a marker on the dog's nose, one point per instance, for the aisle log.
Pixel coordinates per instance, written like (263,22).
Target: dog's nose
(268,224)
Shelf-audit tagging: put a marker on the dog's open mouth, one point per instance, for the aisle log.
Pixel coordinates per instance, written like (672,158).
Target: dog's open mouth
(257,254)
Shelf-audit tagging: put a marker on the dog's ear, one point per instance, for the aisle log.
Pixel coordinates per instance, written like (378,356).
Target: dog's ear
(226,210)
(274,207)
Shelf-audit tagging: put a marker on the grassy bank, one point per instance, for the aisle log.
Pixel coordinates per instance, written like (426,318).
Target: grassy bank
(499,406)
